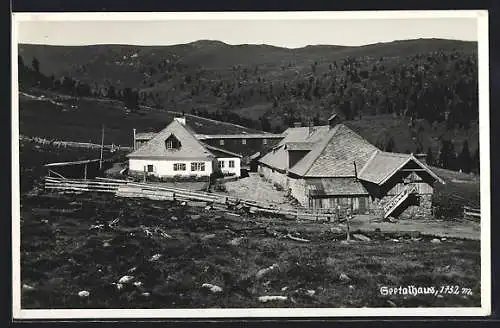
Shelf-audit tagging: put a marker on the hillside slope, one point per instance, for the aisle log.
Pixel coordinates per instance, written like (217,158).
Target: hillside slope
(415,92)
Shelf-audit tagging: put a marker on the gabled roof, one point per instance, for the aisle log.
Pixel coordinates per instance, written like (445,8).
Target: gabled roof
(335,155)
(277,157)
(382,165)
(219,152)
(190,148)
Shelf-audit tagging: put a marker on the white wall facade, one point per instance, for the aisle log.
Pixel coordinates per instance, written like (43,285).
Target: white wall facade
(236,170)
(165,168)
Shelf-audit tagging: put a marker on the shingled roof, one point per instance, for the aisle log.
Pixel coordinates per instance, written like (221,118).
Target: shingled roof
(335,187)
(382,165)
(335,155)
(191,148)
(277,157)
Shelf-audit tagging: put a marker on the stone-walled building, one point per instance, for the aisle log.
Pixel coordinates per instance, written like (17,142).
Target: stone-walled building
(331,166)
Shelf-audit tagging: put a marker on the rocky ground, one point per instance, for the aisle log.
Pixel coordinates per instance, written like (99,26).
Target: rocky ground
(98,251)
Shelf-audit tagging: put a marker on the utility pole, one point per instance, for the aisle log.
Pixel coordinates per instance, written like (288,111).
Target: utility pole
(102,147)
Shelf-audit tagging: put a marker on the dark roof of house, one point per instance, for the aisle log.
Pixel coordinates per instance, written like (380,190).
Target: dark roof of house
(239,136)
(335,187)
(145,135)
(382,165)
(277,157)
(190,148)
(335,155)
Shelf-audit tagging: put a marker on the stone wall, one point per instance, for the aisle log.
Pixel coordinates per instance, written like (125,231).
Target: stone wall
(298,191)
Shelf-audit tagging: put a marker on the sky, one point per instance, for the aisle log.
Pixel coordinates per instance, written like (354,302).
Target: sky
(290,33)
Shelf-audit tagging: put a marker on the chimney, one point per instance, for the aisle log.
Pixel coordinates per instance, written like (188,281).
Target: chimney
(333,120)
(421,157)
(297,124)
(181,119)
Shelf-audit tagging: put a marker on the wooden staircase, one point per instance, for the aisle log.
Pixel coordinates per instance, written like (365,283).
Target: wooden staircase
(397,200)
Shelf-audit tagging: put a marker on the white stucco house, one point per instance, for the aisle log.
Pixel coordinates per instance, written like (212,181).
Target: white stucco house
(176,152)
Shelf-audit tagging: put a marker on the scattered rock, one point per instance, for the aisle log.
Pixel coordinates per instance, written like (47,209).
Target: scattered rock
(106,244)
(208,208)
(443,239)
(351,287)
(344,277)
(236,241)
(125,279)
(284,289)
(391,303)
(174,218)
(146,294)
(207,237)
(195,217)
(137,284)
(435,241)
(265,299)
(83,293)
(336,230)
(96,226)
(155,257)
(212,288)
(262,272)
(395,240)
(27,287)
(118,286)
(345,242)
(310,292)
(132,269)
(183,203)
(440,296)
(361,237)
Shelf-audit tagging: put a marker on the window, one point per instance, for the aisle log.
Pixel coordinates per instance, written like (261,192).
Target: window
(231,164)
(150,168)
(221,142)
(172,143)
(198,166)
(179,167)
(264,141)
(243,141)
(221,164)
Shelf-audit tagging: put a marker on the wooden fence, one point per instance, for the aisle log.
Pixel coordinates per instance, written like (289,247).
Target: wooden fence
(125,188)
(472,213)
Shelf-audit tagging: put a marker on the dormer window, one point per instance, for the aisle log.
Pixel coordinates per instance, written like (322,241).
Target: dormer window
(172,143)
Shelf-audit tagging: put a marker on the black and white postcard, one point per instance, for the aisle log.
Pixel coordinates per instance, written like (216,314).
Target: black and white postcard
(238,164)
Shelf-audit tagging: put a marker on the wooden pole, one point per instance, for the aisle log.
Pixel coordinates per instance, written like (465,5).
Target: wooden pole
(102,147)
(144,174)
(85,172)
(133,147)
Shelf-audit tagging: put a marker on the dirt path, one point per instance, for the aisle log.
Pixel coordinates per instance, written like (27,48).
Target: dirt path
(450,229)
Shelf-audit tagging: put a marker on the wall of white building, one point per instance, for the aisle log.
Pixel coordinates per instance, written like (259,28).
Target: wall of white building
(225,168)
(165,168)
